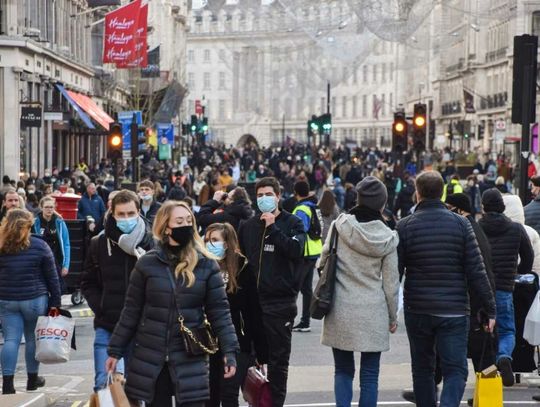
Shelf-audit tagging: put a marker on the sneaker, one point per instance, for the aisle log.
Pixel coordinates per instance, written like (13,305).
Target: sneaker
(301,327)
(470,402)
(505,367)
(409,396)
(536,398)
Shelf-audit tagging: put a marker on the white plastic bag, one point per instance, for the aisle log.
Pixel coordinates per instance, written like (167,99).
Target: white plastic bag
(53,339)
(105,395)
(400,299)
(531,331)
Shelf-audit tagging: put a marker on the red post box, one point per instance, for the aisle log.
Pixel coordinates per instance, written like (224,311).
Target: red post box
(66,205)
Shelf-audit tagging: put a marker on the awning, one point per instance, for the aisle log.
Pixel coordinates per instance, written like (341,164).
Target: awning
(84,117)
(90,107)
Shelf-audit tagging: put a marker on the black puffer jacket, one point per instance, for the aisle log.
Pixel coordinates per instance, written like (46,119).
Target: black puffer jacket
(508,240)
(213,212)
(440,257)
(105,279)
(150,317)
(150,215)
(532,214)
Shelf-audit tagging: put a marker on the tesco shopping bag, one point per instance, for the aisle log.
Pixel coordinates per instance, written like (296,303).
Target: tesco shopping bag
(113,394)
(53,338)
(531,331)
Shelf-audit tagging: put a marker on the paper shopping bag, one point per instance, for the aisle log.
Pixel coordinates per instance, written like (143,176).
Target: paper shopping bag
(94,400)
(488,392)
(118,394)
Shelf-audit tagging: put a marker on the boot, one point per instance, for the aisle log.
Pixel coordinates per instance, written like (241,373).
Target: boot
(7,385)
(34,381)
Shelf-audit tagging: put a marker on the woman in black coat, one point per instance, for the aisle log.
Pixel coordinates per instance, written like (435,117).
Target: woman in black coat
(160,366)
(241,284)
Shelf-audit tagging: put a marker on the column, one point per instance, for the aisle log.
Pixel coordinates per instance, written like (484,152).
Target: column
(9,123)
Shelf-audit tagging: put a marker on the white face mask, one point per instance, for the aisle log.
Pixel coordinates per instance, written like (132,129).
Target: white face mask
(146,198)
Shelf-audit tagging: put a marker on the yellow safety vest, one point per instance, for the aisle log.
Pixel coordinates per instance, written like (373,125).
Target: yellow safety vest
(312,247)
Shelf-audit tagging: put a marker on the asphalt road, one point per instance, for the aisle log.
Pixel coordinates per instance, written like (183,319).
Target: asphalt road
(310,380)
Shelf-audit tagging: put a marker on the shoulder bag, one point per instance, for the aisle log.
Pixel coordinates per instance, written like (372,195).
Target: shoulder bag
(323,296)
(197,341)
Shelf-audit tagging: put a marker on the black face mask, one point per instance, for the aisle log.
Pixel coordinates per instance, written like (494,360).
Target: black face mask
(455,210)
(182,235)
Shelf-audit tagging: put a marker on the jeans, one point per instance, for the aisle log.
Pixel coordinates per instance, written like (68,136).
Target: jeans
(344,376)
(506,326)
(101,341)
(449,336)
(18,317)
(307,290)
(278,332)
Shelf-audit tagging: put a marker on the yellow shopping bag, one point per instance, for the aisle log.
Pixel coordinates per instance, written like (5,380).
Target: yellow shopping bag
(488,391)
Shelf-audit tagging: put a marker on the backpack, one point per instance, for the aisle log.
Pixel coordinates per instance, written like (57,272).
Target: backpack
(315,223)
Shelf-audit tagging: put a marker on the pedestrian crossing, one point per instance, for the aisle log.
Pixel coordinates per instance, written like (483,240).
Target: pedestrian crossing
(81,404)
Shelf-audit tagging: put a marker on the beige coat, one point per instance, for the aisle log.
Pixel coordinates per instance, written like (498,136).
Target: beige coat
(367,284)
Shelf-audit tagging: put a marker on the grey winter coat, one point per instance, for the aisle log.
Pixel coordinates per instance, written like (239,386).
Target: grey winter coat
(367,284)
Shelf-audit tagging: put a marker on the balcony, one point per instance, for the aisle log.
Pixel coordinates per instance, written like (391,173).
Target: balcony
(494,101)
(451,108)
(496,55)
(456,67)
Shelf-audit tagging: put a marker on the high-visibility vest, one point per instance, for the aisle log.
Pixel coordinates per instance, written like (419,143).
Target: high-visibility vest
(312,247)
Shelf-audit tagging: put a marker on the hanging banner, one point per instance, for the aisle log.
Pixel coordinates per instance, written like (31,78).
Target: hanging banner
(165,135)
(140,58)
(30,117)
(468,97)
(120,31)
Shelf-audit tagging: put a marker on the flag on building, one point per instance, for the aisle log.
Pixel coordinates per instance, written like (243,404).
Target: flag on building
(140,59)
(120,31)
(377,105)
(469,101)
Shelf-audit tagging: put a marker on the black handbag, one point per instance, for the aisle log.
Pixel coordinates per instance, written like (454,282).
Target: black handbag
(323,296)
(197,341)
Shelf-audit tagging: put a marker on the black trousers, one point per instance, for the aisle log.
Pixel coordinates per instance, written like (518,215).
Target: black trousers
(225,392)
(278,332)
(307,290)
(165,390)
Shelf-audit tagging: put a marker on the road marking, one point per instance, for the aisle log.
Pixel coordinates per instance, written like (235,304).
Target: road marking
(29,403)
(396,403)
(76,404)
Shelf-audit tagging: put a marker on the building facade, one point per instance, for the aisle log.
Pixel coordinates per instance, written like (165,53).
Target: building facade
(261,72)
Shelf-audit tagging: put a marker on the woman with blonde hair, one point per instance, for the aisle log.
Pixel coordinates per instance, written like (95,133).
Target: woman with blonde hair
(241,286)
(175,289)
(29,287)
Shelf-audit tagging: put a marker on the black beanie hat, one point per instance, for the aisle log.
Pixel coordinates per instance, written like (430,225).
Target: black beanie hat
(492,201)
(460,201)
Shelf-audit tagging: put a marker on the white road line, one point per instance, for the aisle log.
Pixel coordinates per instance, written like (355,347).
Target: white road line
(29,403)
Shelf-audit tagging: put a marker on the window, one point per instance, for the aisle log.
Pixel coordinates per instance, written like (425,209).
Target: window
(191,80)
(391,101)
(364,74)
(536,23)
(383,105)
(374,106)
(206,80)
(355,75)
(354,106)
(323,105)
(345,75)
(191,55)
(221,108)
(374,73)
(344,106)
(275,108)
(206,56)
(391,71)
(364,105)
(334,105)
(383,73)
(222,80)
(221,54)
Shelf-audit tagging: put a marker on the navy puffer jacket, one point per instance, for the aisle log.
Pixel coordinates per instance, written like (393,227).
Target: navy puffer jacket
(439,255)
(150,319)
(532,214)
(29,274)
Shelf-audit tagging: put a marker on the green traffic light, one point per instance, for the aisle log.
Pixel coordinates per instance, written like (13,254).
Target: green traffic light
(205,128)
(193,128)
(314,126)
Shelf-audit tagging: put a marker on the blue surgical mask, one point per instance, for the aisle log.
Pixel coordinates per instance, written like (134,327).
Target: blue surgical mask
(216,248)
(146,198)
(127,225)
(267,204)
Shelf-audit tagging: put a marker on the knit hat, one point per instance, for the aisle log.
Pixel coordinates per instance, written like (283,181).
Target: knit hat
(372,193)
(492,201)
(460,201)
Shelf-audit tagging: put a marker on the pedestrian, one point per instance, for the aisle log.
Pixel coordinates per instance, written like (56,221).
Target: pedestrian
(177,192)
(273,242)
(11,201)
(246,314)
(50,225)
(440,265)
(29,288)
(233,208)
(339,193)
(180,275)
(365,304)
(510,245)
(452,187)
(329,211)
(107,269)
(532,210)
(149,206)
(91,204)
(475,195)
(404,201)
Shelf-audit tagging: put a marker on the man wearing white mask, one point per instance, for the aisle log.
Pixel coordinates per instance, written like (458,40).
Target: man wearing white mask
(149,206)
(273,242)
(111,258)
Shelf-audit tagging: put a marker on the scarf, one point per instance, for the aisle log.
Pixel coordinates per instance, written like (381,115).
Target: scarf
(364,214)
(128,242)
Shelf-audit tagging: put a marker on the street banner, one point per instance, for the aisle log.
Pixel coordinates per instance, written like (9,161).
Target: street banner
(120,34)
(469,101)
(30,117)
(125,119)
(152,69)
(165,135)
(170,104)
(198,107)
(140,59)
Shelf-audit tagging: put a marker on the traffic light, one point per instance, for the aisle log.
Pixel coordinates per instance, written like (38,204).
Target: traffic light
(325,121)
(420,126)
(204,125)
(194,124)
(400,130)
(138,139)
(114,141)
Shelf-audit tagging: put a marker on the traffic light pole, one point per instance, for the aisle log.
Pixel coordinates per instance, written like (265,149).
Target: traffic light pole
(525,136)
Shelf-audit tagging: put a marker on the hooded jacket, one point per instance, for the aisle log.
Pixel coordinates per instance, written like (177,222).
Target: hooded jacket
(508,240)
(275,256)
(439,255)
(234,213)
(366,297)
